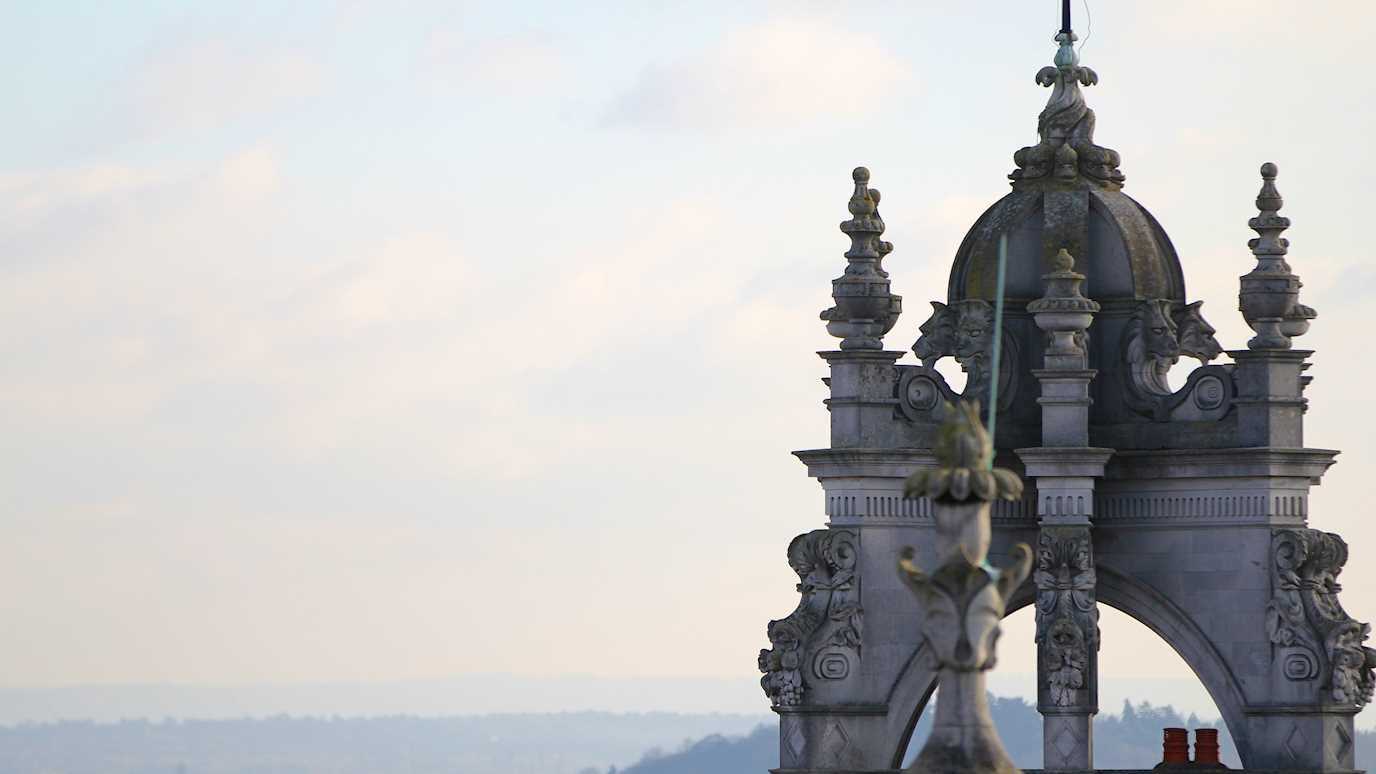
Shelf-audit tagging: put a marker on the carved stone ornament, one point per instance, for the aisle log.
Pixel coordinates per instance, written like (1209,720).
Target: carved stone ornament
(1064,313)
(1153,341)
(1066,126)
(965,330)
(963,600)
(865,310)
(1269,294)
(1313,636)
(820,640)
(964,471)
(1067,614)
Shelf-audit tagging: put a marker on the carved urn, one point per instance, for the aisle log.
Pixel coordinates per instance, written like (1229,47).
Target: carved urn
(864,308)
(1269,294)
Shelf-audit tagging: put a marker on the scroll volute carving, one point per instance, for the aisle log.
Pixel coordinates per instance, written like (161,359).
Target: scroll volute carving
(1314,638)
(821,638)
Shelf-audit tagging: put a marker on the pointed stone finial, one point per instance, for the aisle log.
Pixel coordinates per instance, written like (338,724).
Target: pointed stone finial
(1269,294)
(865,310)
(1067,151)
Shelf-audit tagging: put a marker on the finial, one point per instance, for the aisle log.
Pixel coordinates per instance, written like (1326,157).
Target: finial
(865,309)
(965,455)
(1067,152)
(861,202)
(1269,295)
(1064,313)
(1063,262)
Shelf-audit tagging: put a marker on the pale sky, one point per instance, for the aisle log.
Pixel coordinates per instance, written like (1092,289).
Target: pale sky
(385,341)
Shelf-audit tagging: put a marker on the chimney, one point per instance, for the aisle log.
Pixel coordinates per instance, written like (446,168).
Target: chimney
(1175,747)
(1206,747)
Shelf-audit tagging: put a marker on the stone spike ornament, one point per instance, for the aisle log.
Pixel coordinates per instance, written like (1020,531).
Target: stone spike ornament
(1067,152)
(865,310)
(1269,294)
(964,598)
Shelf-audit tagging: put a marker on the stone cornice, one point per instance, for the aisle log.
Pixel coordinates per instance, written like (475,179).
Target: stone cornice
(1221,463)
(881,463)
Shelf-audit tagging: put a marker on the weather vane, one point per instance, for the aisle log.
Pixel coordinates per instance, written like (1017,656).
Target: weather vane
(1065,16)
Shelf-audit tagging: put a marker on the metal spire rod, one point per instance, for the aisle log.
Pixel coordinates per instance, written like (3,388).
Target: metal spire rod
(1065,16)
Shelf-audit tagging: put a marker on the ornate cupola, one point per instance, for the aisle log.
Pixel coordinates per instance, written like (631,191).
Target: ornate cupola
(1068,195)
(1184,504)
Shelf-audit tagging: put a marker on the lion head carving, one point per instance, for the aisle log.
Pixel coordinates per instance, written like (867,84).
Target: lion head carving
(1156,338)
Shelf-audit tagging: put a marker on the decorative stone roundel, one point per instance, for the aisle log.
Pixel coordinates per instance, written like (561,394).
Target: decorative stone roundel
(1209,393)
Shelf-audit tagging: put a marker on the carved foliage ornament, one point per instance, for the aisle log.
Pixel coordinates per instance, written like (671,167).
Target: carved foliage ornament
(1313,635)
(821,638)
(1066,127)
(1067,615)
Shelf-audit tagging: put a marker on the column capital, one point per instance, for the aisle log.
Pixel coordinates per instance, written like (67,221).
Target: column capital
(1064,461)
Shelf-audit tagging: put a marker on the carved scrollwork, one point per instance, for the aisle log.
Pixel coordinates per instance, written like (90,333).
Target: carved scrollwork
(1067,613)
(1314,636)
(964,330)
(825,629)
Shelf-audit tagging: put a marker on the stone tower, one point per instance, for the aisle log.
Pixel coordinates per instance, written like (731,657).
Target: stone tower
(1186,509)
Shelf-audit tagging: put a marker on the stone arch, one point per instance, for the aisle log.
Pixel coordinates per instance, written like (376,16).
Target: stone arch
(1150,608)
(916,684)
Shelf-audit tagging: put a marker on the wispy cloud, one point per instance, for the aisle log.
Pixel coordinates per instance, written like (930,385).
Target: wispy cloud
(781,71)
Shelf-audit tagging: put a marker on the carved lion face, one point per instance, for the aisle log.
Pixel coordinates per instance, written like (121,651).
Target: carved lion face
(1158,330)
(973,332)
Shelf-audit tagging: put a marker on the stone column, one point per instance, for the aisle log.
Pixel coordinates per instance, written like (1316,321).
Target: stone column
(1065,467)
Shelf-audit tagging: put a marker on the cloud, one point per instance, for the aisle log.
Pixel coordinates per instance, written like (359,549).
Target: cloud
(208,83)
(528,63)
(781,71)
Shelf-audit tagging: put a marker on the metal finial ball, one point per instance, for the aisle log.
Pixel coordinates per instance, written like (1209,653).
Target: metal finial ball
(1269,171)
(860,175)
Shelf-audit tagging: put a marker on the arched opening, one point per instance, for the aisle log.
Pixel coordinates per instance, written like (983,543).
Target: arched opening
(1145,684)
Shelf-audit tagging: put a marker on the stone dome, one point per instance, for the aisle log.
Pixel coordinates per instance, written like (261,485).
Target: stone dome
(1116,242)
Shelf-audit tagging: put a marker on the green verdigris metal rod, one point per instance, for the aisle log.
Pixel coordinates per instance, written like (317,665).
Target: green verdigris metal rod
(998,342)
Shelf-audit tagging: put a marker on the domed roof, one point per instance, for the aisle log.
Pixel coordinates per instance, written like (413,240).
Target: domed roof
(1118,245)
(1067,194)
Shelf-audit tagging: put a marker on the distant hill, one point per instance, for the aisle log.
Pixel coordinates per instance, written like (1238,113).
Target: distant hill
(1129,739)
(552,743)
(558,743)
